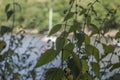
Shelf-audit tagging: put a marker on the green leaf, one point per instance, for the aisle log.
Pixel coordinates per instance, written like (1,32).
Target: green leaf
(16,76)
(60,42)
(94,12)
(69,47)
(75,26)
(108,48)
(89,4)
(80,38)
(68,50)
(87,76)
(91,50)
(2,45)
(115,66)
(73,67)
(33,74)
(8,67)
(7,7)
(106,26)
(69,16)
(66,54)
(55,29)
(46,57)
(3,56)
(96,54)
(9,14)
(71,1)
(5,29)
(64,34)
(70,77)
(54,74)
(84,66)
(117,35)
(77,61)
(88,20)
(87,39)
(83,11)
(95,29)
(96,68)
(10,52)
(6,54)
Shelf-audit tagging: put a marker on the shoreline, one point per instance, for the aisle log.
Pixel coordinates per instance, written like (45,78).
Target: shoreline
(110,33)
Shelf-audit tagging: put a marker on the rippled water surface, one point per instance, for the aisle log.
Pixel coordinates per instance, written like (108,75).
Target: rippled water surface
(32,47)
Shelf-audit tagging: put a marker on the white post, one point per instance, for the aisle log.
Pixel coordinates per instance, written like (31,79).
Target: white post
(50,18)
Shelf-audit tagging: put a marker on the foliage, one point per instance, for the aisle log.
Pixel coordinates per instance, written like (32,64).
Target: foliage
(82,57)
(81,54)
(12,62)
(32,14)
(39,12)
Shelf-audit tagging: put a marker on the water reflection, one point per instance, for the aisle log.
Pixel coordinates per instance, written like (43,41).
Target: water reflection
(30,49)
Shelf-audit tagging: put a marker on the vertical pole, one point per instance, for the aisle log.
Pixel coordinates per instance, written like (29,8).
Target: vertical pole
(50,18)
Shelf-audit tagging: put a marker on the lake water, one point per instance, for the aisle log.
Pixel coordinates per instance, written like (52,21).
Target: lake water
(29,51)
(34,47)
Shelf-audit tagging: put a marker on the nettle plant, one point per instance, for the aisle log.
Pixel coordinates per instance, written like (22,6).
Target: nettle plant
(13,62)
(83,56)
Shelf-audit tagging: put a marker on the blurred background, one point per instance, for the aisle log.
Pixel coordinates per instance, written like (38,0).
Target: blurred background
(41,15)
